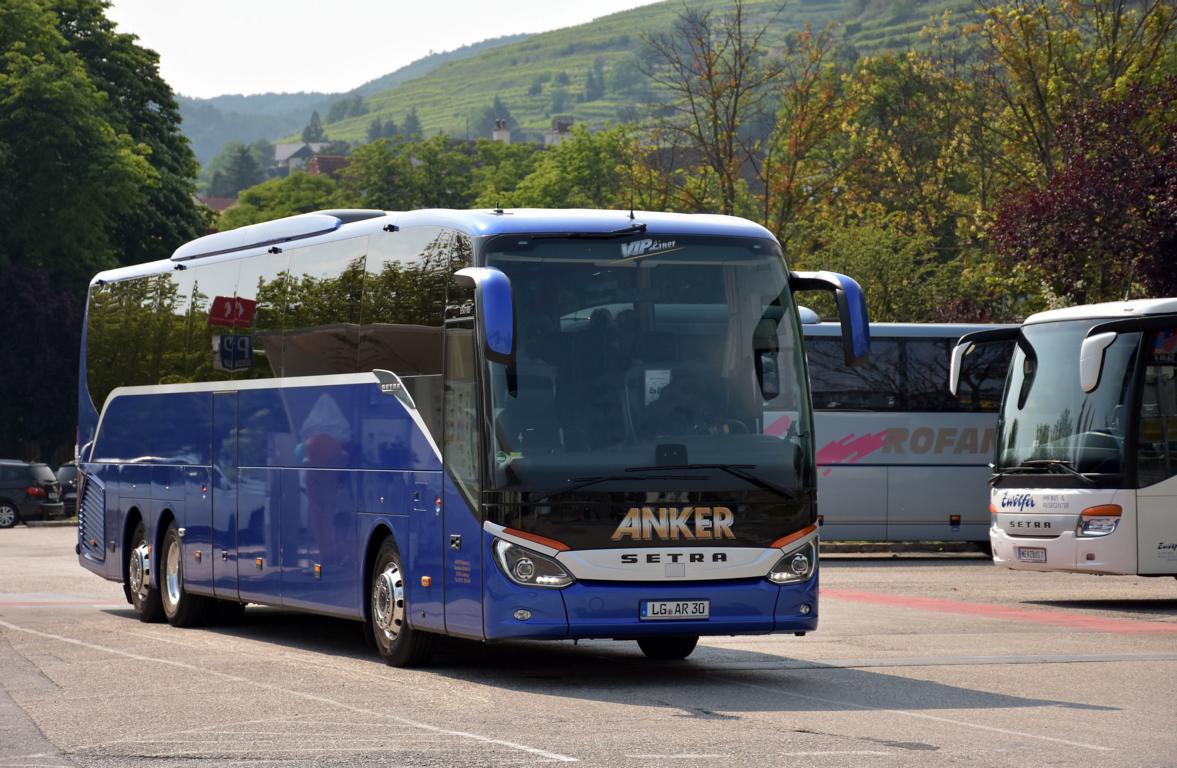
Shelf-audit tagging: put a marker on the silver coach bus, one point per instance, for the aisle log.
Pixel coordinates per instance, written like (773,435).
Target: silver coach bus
(899,457)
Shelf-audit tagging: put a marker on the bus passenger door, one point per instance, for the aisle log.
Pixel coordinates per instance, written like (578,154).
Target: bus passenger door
(224,495)
(461,511)
(1156,468)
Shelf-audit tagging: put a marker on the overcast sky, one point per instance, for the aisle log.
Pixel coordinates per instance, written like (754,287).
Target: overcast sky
(213,47)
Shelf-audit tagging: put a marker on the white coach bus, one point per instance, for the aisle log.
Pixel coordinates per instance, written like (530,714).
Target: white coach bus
(1085,478)
(899,457)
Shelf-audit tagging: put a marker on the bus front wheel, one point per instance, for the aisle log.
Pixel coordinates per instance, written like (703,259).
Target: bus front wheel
(668,648)
(180,607)
(399,644)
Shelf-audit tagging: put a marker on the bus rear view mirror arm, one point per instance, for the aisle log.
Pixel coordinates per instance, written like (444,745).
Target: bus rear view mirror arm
(494,310)
(966,343)
(851,309)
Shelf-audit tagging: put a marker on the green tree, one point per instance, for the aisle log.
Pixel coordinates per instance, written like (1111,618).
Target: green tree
(498,168)
(314,129)
(484,121)
(411,125)
(140,105)
(276,198)
(1044,59)
(380,175)
(720,76)
(241,171)
(349,106)
(586,170)
(67,176)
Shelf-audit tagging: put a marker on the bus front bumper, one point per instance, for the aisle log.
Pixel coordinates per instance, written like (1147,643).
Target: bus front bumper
(613,609)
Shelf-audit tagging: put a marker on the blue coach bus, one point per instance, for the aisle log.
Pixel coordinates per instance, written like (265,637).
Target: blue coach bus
(485,424)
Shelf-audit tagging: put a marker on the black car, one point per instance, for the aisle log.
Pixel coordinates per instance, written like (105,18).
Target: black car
(67,478)
(28,491)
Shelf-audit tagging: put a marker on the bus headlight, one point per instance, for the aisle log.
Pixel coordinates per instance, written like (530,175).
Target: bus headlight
(530,569)
(1099,521)
(797,565)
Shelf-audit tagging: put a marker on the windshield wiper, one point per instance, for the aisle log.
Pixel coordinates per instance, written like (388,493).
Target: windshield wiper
(1035,465)
(736,470)
(585,482)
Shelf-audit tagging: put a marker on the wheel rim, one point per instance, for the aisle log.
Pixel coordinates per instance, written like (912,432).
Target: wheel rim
(137,569)
(388,602)
(172,572)
(7,516)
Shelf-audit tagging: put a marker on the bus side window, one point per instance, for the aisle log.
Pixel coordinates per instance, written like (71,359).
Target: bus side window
(322,317)
(1157,440)
(875,385)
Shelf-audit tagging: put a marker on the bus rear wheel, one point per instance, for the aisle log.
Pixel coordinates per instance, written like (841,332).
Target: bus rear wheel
(180,607)
(399,644)
(144,598)
(668,648)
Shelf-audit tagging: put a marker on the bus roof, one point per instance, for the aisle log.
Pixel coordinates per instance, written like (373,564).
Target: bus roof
(324,226)
(1110,310)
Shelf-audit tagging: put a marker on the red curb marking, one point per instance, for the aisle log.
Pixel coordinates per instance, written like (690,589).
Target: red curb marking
(1009,613)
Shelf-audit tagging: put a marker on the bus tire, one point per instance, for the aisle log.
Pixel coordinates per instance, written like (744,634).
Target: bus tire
(144,598)
(398,644)
(180,607)
(668,648)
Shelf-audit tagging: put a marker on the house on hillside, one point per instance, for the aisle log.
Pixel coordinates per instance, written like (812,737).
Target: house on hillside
(561,129)
(327,165)
(292,156)
(501,132)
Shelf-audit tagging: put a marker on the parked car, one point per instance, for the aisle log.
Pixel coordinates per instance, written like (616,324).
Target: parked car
(67,478)
(28,491)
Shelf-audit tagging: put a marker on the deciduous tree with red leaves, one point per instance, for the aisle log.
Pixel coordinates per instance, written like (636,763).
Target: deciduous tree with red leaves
(1105,226)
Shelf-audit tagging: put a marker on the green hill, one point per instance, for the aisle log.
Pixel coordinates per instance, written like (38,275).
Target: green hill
(545,75)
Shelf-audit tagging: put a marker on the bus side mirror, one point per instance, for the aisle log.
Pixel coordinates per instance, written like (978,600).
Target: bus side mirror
(494,310)
(965,344)
(1091,359)
(852,312)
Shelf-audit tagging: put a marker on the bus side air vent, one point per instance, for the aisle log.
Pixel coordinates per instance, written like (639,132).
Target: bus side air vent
(263,235)
(92,520)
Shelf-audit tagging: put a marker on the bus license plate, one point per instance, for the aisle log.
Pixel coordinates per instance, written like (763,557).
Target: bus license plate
(675,609)
(1031,554)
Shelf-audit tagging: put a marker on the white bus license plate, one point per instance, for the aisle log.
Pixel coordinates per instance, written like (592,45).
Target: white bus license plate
(1031,554)
(675,609)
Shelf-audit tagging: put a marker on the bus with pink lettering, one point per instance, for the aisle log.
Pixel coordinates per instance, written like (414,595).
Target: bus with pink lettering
(899,457)
(1085,472)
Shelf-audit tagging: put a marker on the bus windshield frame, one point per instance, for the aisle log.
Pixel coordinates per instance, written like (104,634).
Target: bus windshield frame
(1049,428)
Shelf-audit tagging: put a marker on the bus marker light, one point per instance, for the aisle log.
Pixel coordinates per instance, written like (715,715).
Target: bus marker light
(318,571)
(426,581)
(198,556)
(258,562)
(522,614)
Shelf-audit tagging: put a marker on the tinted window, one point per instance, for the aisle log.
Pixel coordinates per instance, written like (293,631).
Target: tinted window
(403,310)
(139,333)
(875,385)
(211,322)
(1157,440)
(908,374)
(166,429)
(9,473)
(323,307)
(249,341)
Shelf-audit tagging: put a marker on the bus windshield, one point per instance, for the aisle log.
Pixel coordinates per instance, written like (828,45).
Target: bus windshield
(1048,424)
(639,359)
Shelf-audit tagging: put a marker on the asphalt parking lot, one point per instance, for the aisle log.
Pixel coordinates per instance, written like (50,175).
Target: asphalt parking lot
(918,662)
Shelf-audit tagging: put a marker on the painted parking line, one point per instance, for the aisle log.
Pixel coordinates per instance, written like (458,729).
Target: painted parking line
(476,737)
(1005,612)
